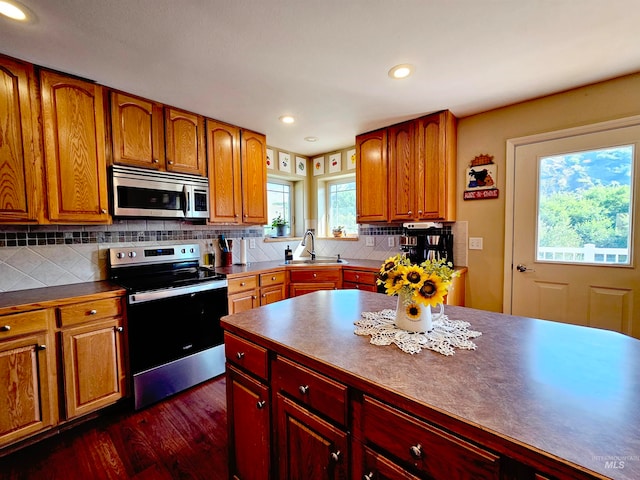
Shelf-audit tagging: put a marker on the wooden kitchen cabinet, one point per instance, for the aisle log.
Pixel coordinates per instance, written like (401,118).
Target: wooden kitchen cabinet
(371,177)
(418,158)
(21,188)
(223,162)
(185,147)
(253,163)
(272,287)
(27,376)
(93,354)
(137,129)
(74,149)
(305,280)
(360,278)
(242,292)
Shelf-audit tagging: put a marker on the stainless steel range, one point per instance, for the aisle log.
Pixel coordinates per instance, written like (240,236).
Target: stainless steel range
(174,308)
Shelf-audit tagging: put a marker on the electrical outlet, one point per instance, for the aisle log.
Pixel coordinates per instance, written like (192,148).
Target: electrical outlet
(391,241)
(475,243)
(252,243)
(370,242)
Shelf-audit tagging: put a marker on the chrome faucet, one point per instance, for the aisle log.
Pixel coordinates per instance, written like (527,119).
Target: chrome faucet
(312,252)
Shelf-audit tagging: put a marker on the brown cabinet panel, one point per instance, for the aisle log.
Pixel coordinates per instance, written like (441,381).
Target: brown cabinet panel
(402,171)
(316,275)
(223,162)
(74,149)
(272,278)
(185,151)
(20,323)
(248,406)
(241,284)
(254,177)
(246,355)
(272,294)
(378,467)
(372,172)
(89,311)
(138,131)
(21,189)
(27,383)
(94,370)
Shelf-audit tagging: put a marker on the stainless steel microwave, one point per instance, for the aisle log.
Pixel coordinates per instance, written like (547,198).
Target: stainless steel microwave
(137,192)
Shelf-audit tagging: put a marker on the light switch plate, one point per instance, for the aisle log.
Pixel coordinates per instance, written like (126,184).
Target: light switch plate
(391,241)
(475,243)
(252,243)
(370,242)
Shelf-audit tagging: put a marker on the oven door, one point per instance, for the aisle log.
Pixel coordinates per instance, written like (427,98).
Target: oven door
(164,329)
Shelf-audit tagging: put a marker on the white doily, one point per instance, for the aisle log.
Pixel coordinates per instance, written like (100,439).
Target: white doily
(444,338)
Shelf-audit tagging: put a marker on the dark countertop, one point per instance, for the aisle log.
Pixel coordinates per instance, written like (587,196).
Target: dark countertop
(561,391)
(46,297)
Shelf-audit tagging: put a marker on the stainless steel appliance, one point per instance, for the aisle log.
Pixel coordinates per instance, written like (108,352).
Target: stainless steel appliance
(174,308)
(137,192)
(427,241)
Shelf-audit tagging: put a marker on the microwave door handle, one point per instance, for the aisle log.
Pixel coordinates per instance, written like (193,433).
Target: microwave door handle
(187,203)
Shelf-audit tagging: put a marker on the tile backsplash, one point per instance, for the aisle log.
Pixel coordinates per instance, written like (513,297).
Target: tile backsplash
(47,255)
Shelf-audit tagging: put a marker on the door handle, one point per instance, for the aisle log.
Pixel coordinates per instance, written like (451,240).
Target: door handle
(523,268)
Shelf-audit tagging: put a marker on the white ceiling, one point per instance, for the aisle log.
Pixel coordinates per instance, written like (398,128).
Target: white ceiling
(248,62)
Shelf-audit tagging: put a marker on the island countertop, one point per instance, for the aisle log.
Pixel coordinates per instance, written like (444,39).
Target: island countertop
(532,388)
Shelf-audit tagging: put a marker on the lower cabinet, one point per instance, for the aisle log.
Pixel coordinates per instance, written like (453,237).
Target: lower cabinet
(243,293)
(360,279)
(305,280)
(272,287)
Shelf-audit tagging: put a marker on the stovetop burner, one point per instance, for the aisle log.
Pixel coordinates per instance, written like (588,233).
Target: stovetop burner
(168,280)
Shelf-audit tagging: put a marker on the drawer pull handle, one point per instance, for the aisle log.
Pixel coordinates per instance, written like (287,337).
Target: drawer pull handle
(93,312)
(242,284)
(261,404)
(416,451)
(315,275)
(119,329)
(41,347)
(369,476)
(240,355)
(5,328)
(273,278)
(304,389)
(335,456)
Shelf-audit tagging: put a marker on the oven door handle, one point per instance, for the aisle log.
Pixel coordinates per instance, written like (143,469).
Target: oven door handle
(152,295)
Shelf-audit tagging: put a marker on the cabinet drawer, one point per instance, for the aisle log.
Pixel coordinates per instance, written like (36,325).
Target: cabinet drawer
(360,276)
(274,278)
(305,275)
(89,311)
(359,286)
(312,389)
(240,284)
(19,323)
(425,447)
(247,355)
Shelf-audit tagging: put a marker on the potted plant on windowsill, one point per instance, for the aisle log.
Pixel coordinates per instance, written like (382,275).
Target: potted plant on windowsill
(279,224)
(338,231)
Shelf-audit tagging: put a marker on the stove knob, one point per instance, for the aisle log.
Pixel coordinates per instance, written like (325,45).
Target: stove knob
(191,250)
(119,255)
(183,251)
(132,254)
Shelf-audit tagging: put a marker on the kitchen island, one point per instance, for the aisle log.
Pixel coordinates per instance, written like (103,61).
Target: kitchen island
(536,399)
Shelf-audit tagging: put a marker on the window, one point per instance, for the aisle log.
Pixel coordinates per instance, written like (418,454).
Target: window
(341,205)
(279,203)
(585,207)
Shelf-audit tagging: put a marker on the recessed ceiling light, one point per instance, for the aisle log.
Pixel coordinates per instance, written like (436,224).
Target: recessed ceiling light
(12,11)
(311,139)
(401,71)
(287,119)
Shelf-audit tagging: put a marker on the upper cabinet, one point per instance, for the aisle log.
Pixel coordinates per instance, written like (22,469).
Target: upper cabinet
(74,149)
(20,168)
(253,154)
(137,127)
(146,134)
(418,158)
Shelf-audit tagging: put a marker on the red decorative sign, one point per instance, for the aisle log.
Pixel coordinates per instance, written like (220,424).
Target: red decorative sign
(480,194)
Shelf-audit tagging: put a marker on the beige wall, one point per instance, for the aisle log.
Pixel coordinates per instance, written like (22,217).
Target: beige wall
(488,132)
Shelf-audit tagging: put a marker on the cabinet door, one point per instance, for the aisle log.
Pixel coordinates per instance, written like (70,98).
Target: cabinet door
(297,289)
(93,359)
(371,177)
(272,294)
(402,172)
(249,427)
(223,162)
(20,183)
(309,447)
(377,467)
(254,177)
(185,142)
(26,384)
(74,149)
(436,156)
(239,302)
(138,131)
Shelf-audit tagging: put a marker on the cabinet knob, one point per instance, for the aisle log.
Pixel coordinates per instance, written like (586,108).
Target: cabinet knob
(335,456)
(357,277)
(170,162)
(260,404)
(92,312)
(264,295)
(273,278)
(420,212)
(104,210)
(315,275)
(303,389)
(5,328)
(416,451)
(254,297)
(410,212)
(155,160)
(240,355)
(369,476)
(119,329)
(41,347)
(242,284)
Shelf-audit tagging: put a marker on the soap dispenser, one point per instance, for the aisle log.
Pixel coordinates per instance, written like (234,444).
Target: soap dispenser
(288,254)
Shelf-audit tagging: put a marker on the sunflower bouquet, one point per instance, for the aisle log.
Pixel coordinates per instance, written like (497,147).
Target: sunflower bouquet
(426,283)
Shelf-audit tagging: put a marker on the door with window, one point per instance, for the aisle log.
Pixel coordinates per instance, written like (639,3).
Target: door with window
(575,209)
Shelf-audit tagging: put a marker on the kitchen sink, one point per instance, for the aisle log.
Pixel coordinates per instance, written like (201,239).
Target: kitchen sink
(316,261)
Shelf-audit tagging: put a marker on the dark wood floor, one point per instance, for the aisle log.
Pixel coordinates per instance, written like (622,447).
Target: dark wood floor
(184,437)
